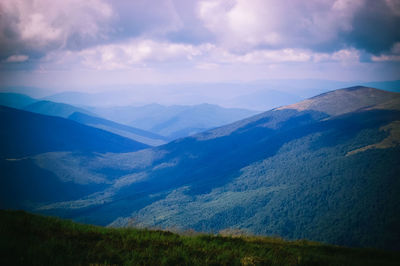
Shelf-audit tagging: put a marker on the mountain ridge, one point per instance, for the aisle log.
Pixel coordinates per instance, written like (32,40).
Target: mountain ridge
(334,100)
(136,134)
(173,121)
(64,110)
(45,107)
(51,130)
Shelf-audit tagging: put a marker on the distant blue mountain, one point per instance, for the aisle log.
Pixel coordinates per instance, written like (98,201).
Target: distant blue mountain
(34,92)
(82,116)
(53,109)
(271,92)
(120,129)
(174,121)
(152,124)
(77,98)
(15,100)
(28,133)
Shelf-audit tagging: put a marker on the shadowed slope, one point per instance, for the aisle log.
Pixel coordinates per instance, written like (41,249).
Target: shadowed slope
(26,133)
(123,130)
(54,109)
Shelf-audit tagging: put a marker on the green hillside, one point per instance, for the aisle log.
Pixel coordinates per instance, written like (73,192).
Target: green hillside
(27,239)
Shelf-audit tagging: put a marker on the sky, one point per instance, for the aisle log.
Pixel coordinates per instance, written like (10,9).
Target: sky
(93,44)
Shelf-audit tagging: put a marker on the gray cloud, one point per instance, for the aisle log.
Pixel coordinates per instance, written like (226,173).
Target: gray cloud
(376,27)
(142,17)
(35,28)
(192,29)
(323,26)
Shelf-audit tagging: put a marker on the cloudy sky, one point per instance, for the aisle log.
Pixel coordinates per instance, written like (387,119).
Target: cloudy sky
(86,44)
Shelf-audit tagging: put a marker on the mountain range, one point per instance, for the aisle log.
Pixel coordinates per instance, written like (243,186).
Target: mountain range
(54,109)
(137,134)
(274,92)
(175,121)
(323,169)
(152,124)
(28,133)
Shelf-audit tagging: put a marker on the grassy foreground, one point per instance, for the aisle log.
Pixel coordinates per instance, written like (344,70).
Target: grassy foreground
(27,239)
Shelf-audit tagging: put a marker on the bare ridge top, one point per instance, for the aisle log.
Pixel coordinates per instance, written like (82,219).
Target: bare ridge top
(332,103)
(346,100)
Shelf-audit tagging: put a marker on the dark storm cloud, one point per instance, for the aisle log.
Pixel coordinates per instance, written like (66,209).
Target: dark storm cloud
(376,27)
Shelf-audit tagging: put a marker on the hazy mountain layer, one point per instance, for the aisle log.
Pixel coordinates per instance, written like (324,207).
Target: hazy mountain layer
(173,121)
(79,115)
(136,134)
(257,95)
(54,109)
(15,100)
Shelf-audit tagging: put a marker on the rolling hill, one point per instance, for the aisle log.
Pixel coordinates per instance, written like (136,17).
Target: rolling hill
(37,240)
(325,169)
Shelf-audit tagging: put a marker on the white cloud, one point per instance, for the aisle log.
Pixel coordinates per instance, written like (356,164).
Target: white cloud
(393,55)
(207,66)
(386,58)
(281,56)
(17,58)
(146,53)
(246,24)
(40,24)
(344,56)
(264,56)
(129,54)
